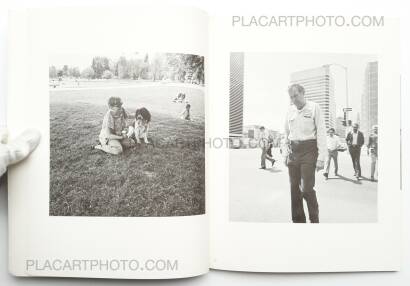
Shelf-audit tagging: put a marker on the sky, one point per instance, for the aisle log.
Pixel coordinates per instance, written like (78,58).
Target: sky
(267,77)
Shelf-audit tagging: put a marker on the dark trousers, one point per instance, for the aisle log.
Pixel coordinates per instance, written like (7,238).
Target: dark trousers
(354,151)
(302,168)
(264,157)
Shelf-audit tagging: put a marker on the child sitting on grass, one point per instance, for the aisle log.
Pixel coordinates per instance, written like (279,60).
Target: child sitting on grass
(139,130)
(186,113)
(113,136)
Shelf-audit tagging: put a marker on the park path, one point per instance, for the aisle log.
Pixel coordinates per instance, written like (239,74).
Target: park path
(264,195)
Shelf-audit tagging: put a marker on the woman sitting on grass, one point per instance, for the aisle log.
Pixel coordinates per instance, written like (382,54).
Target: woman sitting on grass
(113,138)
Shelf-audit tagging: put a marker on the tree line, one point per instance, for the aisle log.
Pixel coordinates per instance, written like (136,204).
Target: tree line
(164,66)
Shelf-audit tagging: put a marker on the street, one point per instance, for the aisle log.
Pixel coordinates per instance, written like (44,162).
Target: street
(264,195)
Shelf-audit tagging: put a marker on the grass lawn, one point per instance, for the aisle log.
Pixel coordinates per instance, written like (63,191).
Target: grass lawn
(166,179)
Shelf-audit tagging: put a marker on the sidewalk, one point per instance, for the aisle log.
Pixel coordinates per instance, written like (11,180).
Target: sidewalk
(264,195)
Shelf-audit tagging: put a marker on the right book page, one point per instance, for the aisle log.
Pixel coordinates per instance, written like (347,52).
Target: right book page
(298,179)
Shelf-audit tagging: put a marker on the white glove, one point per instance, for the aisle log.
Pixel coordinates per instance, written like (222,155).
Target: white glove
(18,149)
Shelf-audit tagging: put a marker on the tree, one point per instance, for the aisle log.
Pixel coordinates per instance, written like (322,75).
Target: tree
(88,73)
(175,66)
(52,72)
(186,67)
(112,66)
(65,70)
(99,65)
(158,66)
(134,68)
(178,63)
(144,68)
(107,74)
(198,67)
(74,72)
(122,68)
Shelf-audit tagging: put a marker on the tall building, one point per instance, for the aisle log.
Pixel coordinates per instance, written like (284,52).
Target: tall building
(319,88)
(236,95)
(368,116)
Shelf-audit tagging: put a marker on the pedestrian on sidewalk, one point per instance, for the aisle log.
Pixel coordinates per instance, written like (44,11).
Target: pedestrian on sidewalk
(306,138)
(333,144)
(349,128)
(372,150)
(355,141)
(269,155)
(264,145)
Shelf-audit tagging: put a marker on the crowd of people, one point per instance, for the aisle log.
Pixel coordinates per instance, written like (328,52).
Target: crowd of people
(354,139)
(309,148)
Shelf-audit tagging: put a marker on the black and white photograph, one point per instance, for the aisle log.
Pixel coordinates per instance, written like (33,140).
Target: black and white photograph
(303,131)
(127,134)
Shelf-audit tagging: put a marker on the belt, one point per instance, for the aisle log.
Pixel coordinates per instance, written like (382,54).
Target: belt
(298,142)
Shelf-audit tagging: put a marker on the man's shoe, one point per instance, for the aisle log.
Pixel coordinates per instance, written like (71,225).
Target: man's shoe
(326,175)
(262,168)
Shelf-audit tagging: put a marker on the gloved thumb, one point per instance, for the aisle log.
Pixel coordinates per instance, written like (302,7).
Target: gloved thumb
(17,149)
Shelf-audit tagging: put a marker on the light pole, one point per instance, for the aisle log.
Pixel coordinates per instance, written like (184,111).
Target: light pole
(347,93)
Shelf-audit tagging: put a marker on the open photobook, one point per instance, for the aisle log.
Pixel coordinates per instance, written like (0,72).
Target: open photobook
(174,142)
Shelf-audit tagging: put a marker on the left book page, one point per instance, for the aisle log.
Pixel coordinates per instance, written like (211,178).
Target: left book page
(116,188)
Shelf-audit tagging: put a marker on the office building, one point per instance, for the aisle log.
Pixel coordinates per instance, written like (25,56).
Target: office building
(369,116)
(319,88)
(236,95)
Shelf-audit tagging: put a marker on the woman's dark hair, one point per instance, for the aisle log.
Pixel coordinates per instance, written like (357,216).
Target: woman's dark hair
(114,101)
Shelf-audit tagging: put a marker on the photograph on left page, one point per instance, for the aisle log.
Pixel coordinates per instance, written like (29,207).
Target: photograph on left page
(127,134)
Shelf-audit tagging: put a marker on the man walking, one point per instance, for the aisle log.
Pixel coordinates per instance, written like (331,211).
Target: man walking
(333,144)
(355,141)
(372,150)
(305,136)
(264,144)
(349,128)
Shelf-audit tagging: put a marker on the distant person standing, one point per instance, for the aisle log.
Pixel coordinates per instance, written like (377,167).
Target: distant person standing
(349,128)
(269,154)
(333,144)
(355,141)
(186,113)
(305,136)
(372,149)
(264,144)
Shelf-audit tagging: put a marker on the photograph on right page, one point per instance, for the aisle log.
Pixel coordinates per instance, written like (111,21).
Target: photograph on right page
(303,137)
